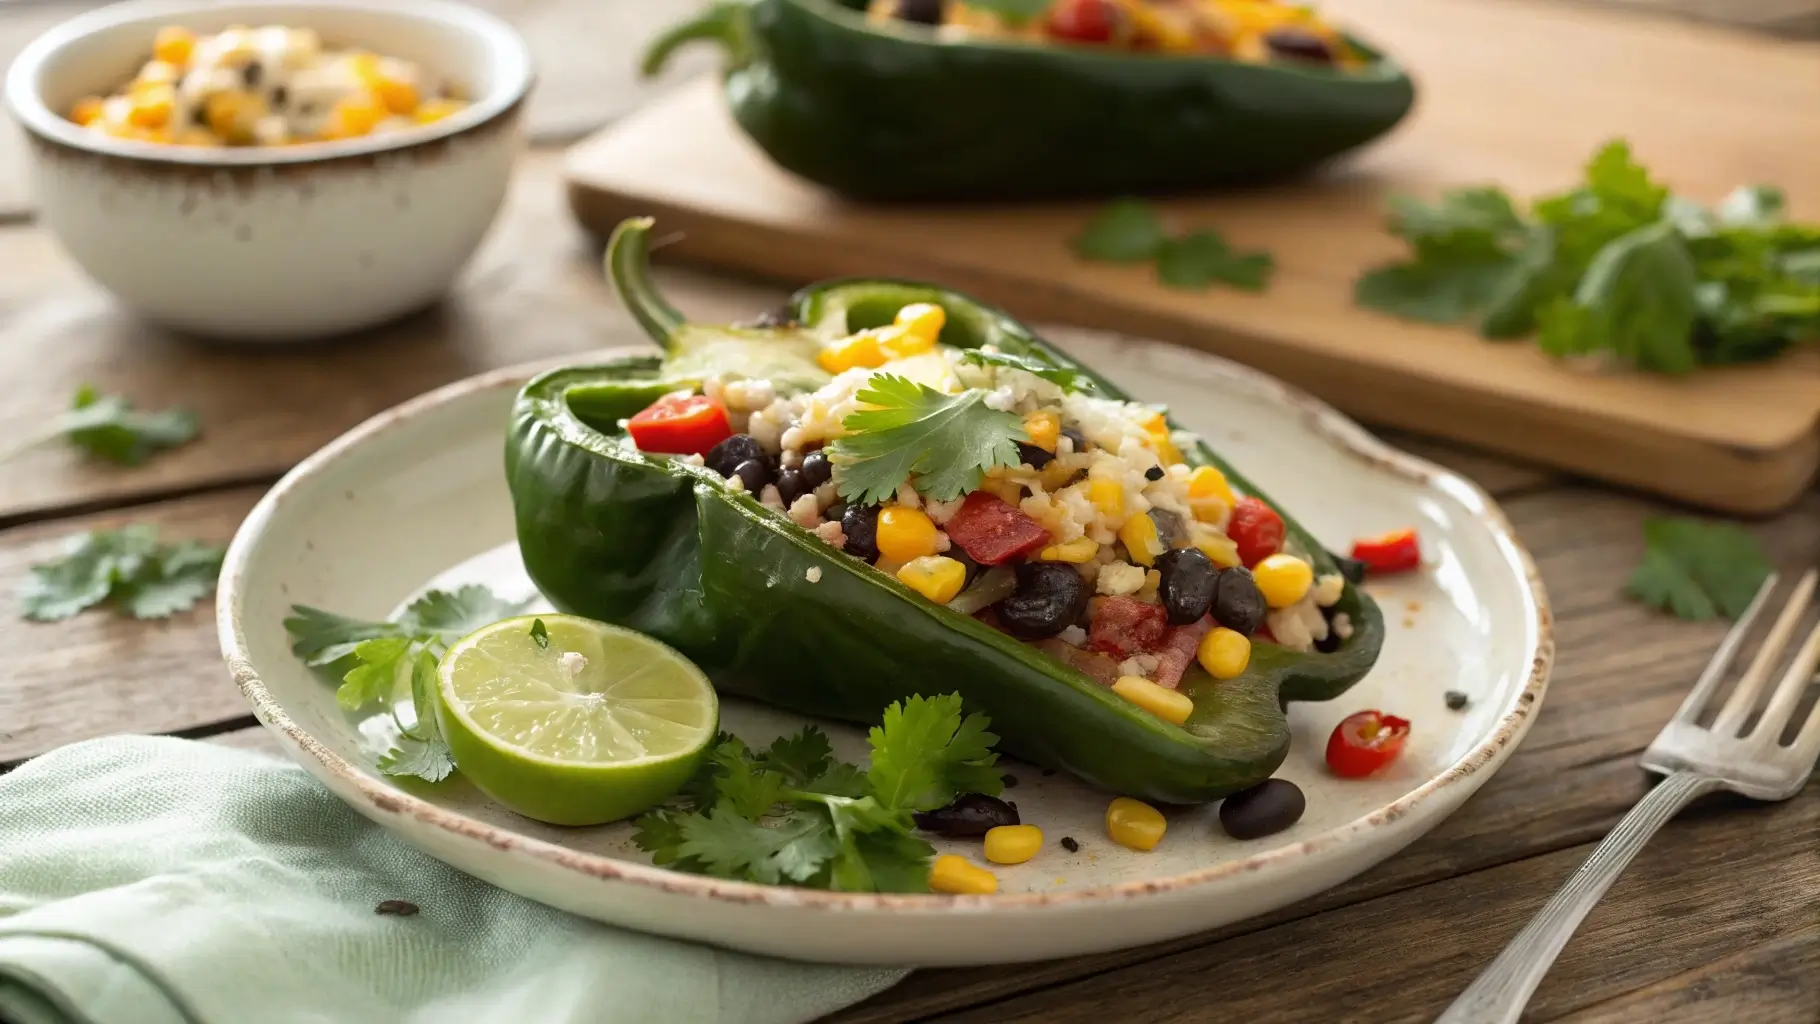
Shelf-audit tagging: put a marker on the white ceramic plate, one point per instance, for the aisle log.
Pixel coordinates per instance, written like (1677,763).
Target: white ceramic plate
(416,497)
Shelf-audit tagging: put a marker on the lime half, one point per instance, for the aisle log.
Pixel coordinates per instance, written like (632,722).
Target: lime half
(579,723)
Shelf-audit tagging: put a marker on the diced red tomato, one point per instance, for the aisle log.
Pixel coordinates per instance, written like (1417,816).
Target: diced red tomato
(1083,21)
(1177,653)
(680,424)
(1364,743)
(1125,626)
(992,531)
(1396,551)
(1256,529)
(1103,668)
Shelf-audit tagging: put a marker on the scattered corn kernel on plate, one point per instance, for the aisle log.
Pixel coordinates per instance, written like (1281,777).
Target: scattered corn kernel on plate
(415,499)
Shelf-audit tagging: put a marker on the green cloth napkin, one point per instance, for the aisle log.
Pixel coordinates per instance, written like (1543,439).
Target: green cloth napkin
(147,880)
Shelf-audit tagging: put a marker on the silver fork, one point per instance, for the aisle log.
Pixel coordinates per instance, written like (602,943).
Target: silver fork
(1693,761)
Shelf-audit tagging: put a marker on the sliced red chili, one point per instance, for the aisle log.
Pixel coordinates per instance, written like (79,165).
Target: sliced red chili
(1256,529)
(1125,626)
(1083,21)
(680,424)
(992,531)
(1396,551)
(1364,743)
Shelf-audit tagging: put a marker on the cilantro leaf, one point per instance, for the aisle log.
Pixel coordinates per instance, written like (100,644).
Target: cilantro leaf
(747,788)
(455,613)
(1751,205)
(1616,198)
(1464,256)
(1123,231)
(730,846)
(925,754)
(800,757)
(108,427)
(1696,569)
(129,566)
(424,755)
(1202,258)
(1636,302)
(540,634)
(660,834)
(912,432)
(379,672)
(320,639)
(839,779)
(1065,377)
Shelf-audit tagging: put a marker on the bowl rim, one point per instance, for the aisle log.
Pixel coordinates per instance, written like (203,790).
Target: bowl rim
(1468,770)
(31,112)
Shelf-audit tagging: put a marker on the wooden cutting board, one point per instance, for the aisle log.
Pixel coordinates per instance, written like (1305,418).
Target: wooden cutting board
(1515,93)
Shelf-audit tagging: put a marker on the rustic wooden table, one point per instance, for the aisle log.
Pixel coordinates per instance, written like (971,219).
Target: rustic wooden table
(1715,921)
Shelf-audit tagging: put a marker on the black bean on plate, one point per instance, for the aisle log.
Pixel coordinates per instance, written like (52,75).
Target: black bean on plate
(1238,604)
(754,473)
(726,456)
(1050,597)
(1265,809)
(970,815)
(1187,583)
(791,485)
(816,468)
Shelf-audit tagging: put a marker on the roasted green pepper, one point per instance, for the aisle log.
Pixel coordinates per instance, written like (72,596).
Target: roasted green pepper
(772,612)
(891,111)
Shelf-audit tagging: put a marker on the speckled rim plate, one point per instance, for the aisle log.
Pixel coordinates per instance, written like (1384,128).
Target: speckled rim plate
(312,538)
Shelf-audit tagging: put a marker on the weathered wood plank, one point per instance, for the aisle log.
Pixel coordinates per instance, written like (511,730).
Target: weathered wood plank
(100,672)
(1775,982)
(1726,878)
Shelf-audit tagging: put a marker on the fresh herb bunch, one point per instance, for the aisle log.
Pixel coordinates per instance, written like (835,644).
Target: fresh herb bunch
(1615,268)
(129,566)
(376,660)
(793,814)
(1696,569)
(108,427)
(1129,231)
(910,432)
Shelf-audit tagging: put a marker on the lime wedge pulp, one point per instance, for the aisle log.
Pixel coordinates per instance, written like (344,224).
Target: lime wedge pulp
(579,723)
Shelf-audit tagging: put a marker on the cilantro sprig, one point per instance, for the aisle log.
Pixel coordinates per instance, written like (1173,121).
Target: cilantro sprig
(375,660)
(1129,231)
(1616,268)
(1065,377)
(130,567)
(1696,569)
(109,428)
(942,444)
(793,814)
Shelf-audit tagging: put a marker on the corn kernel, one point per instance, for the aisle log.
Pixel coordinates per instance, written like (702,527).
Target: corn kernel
(861,349)
(1056,476)
(952,873)
(173,44)
(232,115)
(196,137)
(365,68)
(934,577)
(1141,540)
(1171,706)
(1013,844)
(151,107)
(355,114)
(87,110)
(396,94)
(905,533)
(1209,482)
(1108,496)
(1078,551)
(899,343)
(1008,491)
(435,110)
(1224,653)
(1044,428)
(924,320)
(1283,579)
(1220,549)
(1208,510)
(1134,824)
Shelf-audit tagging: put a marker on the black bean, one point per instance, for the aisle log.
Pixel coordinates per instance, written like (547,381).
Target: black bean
(1266,808)
(1238,604)
(251,73)
(1010,781)
(1455,700)
(834,512)
(922,12)
(726,456)
(860,524)
(969,816)
(1032,456)
(1351,568)
(754,474)
(1296,44)
(791,486)
(280,96)
(817,470)
(1070,845)
(1187,583)
(1079,439)
(1154,473)
(1050,596)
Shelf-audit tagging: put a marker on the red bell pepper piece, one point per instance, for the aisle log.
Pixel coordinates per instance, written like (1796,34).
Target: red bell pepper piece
(1125,626)
(1180,644)
(992,532)
(680,424)
(1396,551)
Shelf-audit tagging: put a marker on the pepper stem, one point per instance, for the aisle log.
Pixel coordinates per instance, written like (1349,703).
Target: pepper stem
(723,22)
(628,266)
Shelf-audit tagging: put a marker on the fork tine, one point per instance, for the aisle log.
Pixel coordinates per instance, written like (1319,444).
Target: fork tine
(1722,658)
(1793,685)
(1750,686)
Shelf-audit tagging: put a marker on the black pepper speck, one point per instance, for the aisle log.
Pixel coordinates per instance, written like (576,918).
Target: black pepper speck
(1153,473)
(395,908)
(1070,845)
(1455,700)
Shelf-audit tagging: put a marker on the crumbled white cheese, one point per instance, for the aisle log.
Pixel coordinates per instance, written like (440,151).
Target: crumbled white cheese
(771,498)
(1001,399)
(1342,626)
(1073,636)
(814,574)
(831,534)
(1120,578)
(806,512)
(572,663)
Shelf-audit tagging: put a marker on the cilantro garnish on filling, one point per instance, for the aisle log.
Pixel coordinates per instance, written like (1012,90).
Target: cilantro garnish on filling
(941,444)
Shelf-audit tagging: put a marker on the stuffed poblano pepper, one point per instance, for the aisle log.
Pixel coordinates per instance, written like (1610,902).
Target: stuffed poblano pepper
(1007,99)
(889,489)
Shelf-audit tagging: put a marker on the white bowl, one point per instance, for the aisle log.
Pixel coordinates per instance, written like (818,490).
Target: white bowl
(274,244)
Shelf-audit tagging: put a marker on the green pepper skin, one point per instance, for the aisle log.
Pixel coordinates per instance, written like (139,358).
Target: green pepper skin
(662,546)
(888,112)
